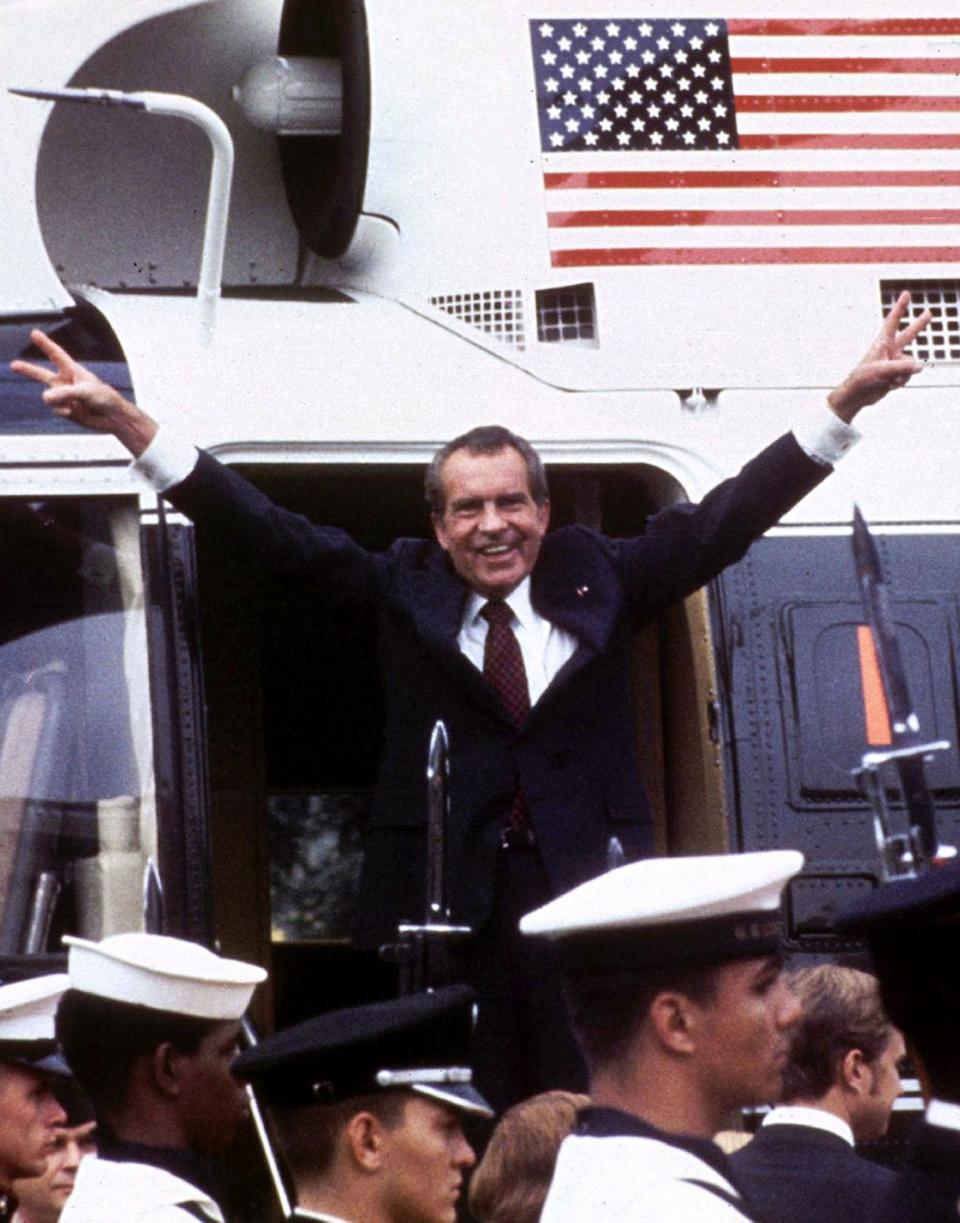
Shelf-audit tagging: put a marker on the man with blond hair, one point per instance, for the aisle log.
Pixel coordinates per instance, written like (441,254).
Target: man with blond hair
(839,1087)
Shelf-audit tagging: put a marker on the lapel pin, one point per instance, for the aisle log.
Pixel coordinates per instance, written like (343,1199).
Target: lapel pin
(582,590)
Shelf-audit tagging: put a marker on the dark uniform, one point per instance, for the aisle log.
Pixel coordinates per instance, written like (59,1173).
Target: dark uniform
(912,927)
(417,1048)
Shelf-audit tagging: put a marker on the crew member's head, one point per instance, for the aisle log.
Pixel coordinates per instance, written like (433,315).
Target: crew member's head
(369,1103)
(488,499)
(150,1027)
(845,1055)
(41,1199)
(510,1185)
(674,973)
(912,928)
(29,1066)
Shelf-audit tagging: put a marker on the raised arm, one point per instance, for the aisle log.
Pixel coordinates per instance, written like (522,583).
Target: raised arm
(74,392)
(884,365)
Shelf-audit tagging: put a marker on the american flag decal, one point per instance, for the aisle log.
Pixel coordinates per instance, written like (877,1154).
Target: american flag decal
(749,141)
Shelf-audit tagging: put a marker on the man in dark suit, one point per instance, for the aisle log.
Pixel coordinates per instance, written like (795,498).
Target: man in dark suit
(912,927)
(544,769)
(839,1086)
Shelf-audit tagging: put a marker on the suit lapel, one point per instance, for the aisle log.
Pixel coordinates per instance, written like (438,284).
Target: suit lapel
(570,587)
(436,599)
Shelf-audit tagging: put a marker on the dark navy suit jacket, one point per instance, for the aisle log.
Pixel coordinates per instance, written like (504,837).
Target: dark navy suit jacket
(574,757)
(928,1189)
(799,1174)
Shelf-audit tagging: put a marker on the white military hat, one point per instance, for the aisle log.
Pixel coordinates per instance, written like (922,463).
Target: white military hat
(670,910)
(162,973)
(27,1012)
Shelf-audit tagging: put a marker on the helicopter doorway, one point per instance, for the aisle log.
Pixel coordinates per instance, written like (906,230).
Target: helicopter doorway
(295,726)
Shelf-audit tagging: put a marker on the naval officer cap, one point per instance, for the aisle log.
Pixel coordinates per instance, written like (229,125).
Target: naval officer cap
(27,1012)
(663,911)
(162,974)
(420,1043)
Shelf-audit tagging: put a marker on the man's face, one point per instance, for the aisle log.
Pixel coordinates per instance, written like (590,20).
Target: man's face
(744,1036)
(871,1116)
(424,1162)
(29,1116)
(490,526)
(213,1101)
(42,1197)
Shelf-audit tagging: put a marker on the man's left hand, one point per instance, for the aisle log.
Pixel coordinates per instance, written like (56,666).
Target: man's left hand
(884,365)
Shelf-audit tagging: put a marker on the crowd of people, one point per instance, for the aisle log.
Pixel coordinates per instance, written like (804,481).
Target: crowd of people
(685,1014)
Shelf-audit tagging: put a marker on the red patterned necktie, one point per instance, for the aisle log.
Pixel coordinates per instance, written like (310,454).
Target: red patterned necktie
(503,662)
(503,667)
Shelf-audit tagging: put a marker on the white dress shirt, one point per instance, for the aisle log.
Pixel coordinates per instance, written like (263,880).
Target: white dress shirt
(545,647)
(816,1118)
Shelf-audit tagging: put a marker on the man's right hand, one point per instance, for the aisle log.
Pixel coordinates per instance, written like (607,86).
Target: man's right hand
(79,395)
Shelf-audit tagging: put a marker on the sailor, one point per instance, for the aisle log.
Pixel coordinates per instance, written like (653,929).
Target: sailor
(29,1112)
(912,927)
(369,1102)
(673,967)
(150,1026)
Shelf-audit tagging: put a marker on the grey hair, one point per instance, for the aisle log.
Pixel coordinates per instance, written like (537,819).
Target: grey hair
(485,439)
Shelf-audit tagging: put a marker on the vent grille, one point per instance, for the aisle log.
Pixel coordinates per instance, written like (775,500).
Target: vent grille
(567,316)
(498,312)
(940,340)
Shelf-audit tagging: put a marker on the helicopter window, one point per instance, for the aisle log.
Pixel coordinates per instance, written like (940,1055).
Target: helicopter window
(76,821)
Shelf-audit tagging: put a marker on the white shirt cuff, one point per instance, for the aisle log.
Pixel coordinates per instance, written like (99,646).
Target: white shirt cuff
(167,461)
(824,437)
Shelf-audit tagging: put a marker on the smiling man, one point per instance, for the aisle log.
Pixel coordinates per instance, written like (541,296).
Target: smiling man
(521,641)
(29,1112)
(368,1103)
(673,967)
(150,1027)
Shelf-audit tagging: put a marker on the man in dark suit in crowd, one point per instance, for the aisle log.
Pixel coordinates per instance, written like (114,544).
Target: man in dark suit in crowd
(839,1086)
(520,641)
(912,927)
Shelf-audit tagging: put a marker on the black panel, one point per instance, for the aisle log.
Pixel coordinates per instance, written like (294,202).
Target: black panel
(793,720)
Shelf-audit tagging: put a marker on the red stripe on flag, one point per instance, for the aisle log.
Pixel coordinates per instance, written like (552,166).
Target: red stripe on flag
(757,103)
(930,26)
(947,66)
(849,140)
(808,216)
(615,179)
(748,255)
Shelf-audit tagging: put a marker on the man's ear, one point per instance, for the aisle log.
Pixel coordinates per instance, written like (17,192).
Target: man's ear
(164,1068)
(673,1021)
(365,1140)
(855,1074)
(543,512)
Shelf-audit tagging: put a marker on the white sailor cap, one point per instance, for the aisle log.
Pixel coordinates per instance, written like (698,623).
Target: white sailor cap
(670,911)
(162,973)
(27,1011)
